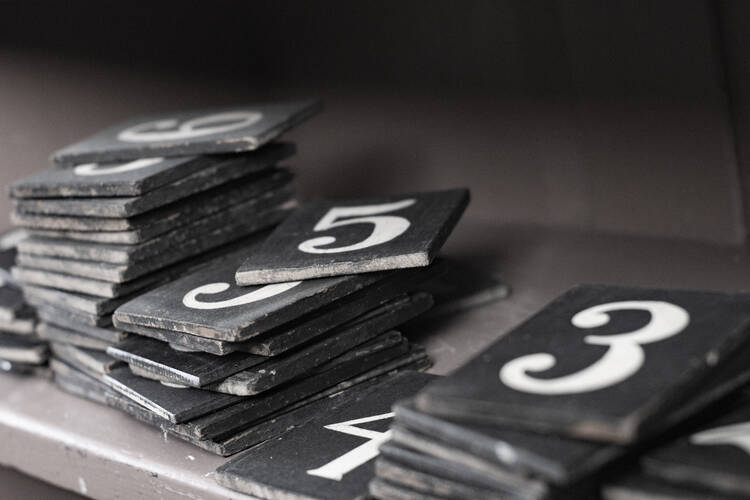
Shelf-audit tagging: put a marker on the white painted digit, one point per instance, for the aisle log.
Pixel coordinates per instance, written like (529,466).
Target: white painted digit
(191,298)
(88,169)
(386,227)
(172,130)
(623,358)
(736,435)
(336,469)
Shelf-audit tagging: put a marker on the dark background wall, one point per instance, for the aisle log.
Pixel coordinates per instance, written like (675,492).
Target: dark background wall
(611,116)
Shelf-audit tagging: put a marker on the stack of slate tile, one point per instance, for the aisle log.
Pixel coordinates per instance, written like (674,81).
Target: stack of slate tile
(140,203)
(21,351)
(558,406)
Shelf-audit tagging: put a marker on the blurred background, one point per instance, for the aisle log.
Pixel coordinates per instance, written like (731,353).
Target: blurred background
(585,116)
(623,116)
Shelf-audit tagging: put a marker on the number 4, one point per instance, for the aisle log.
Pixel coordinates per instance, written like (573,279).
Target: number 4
(336,469)
(386,227)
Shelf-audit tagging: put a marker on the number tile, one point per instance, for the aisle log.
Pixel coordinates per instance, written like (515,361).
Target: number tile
(600,362)
(202,132)
(244,374)
(331,456)
(331,238)
(714,455)
(206,303)
(221,171)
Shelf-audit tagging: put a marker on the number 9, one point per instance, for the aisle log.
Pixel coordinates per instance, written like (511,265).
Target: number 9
(171,129)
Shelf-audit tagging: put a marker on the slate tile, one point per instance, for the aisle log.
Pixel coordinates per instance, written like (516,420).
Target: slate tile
(378,234)
(306,462)
(200,132)
(184,241)
(17,349)
(219,171)
(175,405)
(278,370)
(600,362)
(207,304)
(53,333)
(90,361)
(147,226)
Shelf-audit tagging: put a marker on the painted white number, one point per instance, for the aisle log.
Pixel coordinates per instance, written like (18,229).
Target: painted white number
(191,298)
(387,227)
(623,358)
(736,434)
(336,469)
(172,130)
(88,169)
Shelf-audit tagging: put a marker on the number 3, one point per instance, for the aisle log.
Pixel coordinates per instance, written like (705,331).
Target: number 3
(172,130)
(190,299)
(623,358)
(387,227)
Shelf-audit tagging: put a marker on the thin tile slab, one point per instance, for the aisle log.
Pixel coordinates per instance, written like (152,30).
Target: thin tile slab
(194,369)
(79,384)
(218,171)
(22,369)
(76,302)
(200,132)
(54,333)
(278,370)
(206,303)
(91,361)
(17,349)
(159,221)
(330,457)
(23,322)
(378,234)
(715,456)
(77,320)
(441,479)
(131,178)
(303,329)
(376,356)
(170,403)
(384,490)
(432,475)
(637,486)
(497,451)
(600,362)
(199,236)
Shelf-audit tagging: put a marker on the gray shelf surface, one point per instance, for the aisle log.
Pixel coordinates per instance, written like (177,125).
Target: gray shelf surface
(102,453)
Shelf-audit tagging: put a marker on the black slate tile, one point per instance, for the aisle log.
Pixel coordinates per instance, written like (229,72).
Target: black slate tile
(199,236)
(194,369)
(53,333)
(306,462)
(172,404)
(303,329)
(292,364)
(636,486)
(715,456)
(208,304)
(67,319)
(78,383)
(91,361)
(491,450)
(218,171)
(199,132)
(18,349)
(147,226)
(599,362)
(330,238)
(368,360)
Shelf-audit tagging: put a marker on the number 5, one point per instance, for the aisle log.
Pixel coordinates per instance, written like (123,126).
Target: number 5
(623,358)
(386,227)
